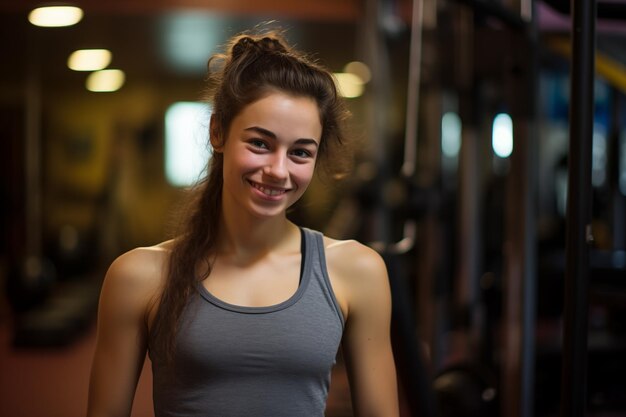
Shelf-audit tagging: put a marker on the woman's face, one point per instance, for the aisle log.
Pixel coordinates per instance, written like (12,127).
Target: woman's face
(270,154)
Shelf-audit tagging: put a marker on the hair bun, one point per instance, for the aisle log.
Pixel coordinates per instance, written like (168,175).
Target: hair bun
(272,45)
(242,45)
(265,44)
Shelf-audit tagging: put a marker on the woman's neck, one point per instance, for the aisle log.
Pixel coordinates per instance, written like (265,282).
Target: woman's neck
(244,238)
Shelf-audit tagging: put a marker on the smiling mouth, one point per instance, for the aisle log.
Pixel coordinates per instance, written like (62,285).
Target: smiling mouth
(269,191)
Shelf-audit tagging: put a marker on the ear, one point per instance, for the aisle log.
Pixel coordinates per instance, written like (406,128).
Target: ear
(215,136)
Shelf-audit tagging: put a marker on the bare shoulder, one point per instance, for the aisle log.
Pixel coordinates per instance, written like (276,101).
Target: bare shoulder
(141,258)
(141,266)
(358,275)
(353,259)
(135,278)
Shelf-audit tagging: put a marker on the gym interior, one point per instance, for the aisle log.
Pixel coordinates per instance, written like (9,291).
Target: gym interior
(490,174)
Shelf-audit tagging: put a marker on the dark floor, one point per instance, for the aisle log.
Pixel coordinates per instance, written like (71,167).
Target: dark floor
(53,382)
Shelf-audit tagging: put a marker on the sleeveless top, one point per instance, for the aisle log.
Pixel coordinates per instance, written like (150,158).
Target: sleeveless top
(237,361)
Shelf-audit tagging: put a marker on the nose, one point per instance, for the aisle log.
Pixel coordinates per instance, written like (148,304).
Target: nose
(277,167)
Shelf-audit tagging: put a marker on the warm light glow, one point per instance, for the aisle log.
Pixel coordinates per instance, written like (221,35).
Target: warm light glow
(502,135)
(450,134)
(360,70)
(186,137)
(349,85)
(105,80)
(89,59)
(55,16)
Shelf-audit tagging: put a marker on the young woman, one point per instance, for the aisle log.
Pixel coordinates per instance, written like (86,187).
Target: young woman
(243,313)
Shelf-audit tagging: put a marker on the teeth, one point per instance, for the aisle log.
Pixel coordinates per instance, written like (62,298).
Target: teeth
(267,191)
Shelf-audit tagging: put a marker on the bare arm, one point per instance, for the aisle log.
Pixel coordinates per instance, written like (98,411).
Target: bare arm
(366,341)
(122,334)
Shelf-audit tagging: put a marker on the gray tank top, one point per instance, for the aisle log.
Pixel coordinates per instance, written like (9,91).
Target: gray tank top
(235,361)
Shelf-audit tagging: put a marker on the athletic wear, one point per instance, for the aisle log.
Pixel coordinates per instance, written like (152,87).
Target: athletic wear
(235,361)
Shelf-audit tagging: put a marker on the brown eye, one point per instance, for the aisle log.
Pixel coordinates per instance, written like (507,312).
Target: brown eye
(257,143)
(302,153)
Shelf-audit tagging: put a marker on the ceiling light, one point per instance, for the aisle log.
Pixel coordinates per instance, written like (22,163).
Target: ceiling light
(105,80)
(55,16)
(89,59)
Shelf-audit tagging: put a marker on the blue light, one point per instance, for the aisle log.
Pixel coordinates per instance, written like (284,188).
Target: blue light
(450,134)
(502,135)
(189,38)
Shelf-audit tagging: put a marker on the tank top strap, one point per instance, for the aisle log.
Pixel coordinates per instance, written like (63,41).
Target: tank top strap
(315,256)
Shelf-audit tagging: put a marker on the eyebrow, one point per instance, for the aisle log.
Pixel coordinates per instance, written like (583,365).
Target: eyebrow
(272,135)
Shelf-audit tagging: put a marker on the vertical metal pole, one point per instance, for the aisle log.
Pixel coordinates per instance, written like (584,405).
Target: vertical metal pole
(618,201)
(466,297)
(529,286)
(376,57)
(413,93)
(578,235)
(519,246)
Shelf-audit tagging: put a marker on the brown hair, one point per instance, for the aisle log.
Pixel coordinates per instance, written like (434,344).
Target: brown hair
(251,67)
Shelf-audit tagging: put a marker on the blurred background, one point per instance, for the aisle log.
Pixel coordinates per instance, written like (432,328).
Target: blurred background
(461,113)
